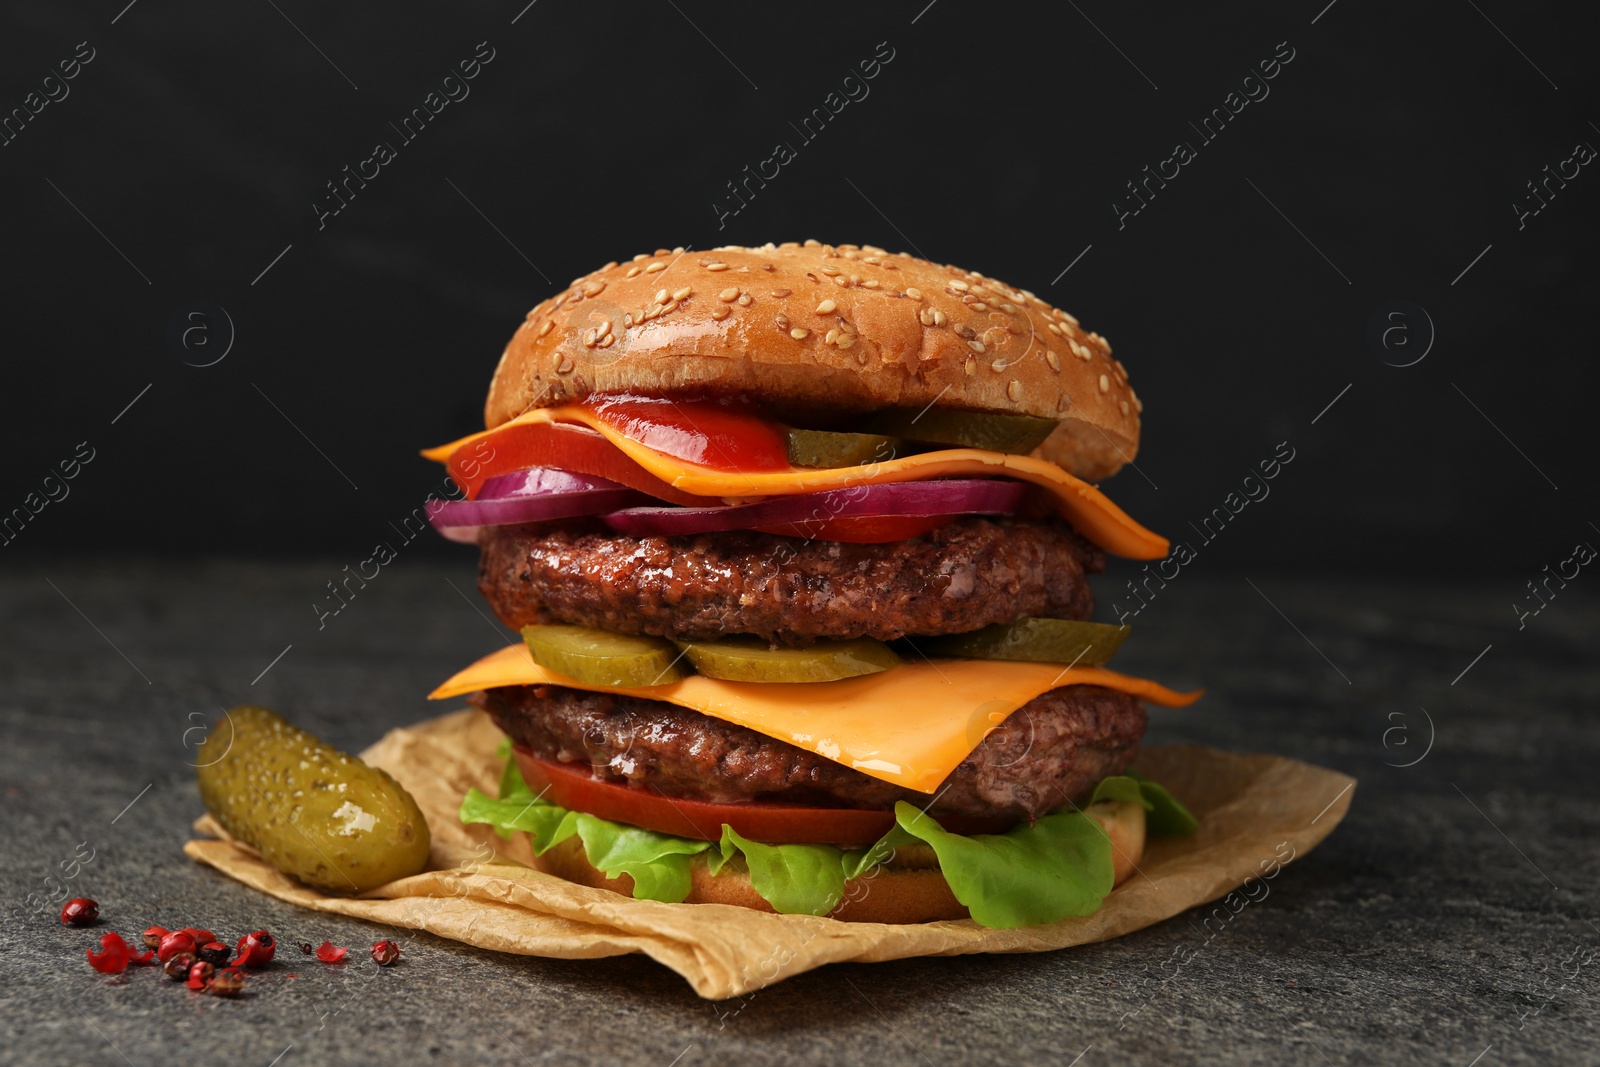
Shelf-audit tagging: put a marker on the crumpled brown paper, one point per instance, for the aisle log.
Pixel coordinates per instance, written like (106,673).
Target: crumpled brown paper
(1256,813)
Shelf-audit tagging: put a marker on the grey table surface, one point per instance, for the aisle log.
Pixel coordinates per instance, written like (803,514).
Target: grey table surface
(1449,920)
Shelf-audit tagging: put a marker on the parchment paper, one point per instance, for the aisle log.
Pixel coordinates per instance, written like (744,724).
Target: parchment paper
(1256,813)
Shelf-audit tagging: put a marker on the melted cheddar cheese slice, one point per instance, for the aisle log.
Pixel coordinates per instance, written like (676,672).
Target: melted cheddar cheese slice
(910,725)
(1081,504)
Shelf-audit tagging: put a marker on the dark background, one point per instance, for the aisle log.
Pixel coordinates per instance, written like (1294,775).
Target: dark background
(997,138)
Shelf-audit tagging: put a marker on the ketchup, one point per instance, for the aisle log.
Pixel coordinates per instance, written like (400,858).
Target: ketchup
(710,433)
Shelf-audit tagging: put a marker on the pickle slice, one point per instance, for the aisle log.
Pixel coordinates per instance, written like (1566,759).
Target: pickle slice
(1014,434)
(1086,644)
(600,657)
(750,659)
(823,448)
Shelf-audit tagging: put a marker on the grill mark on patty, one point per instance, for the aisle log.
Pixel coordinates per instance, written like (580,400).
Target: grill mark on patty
(1048,754)
(965,575)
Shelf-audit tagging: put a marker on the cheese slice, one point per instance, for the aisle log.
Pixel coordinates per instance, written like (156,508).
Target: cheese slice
(910,725)
(1090,511)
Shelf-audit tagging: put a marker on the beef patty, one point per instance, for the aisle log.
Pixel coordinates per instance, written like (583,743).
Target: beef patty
(965,575)
(1047,754)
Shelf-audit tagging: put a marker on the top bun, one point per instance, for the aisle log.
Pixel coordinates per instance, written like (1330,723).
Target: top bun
(820,332)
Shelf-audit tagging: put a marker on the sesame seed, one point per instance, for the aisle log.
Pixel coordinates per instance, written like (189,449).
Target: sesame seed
(782,293)
(607,341)
(965,332)
(652,311)
(913,293)
(1064,402)
(565,367)
(870,283)
(842,282)
(830,271)
(998,365)
(976,346)
(959,286)
(861,356)
(782,320)
(721,313)
(1054,360)
(640,256)
(846,340)
(728,294)
(972,365)
(661,296)
(1123,404)
(668,306)
(627,318)
(682,294)
(1014,390)
(654,267)
(925,316)
(1053,328)
(799,333)
(716,266)
(1105,384)
(825,307)
(980,306)
(745,300)
(549,324)
(633,272)
(588,338)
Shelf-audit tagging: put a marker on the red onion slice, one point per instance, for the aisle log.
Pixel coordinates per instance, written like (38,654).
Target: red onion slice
(460,520)
(541,481)
(953,496)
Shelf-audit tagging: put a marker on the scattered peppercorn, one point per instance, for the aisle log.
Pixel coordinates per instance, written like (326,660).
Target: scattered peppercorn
(200,974)
(328,953)
(255,950)
(153,936)
(175,943)
(112,957)
(226,983)
(385,952)
(200,936)
(134,956)
(214,953)
(79,911)
(177,967)
(305,948)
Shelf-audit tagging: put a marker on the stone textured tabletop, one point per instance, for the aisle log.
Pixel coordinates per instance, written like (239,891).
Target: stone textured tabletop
(1449,920)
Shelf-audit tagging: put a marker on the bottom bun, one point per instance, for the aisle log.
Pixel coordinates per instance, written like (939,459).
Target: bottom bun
(907,889)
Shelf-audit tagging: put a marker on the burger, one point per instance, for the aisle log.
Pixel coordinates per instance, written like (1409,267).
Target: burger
(799,538)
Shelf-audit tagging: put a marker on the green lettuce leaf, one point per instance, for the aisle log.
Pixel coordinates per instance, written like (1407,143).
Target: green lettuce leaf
(1059,866)
(1166,817)
(794,879)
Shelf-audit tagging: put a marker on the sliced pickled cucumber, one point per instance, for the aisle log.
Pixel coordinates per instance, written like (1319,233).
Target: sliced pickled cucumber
(310,810)
(823,448)
(1088,644)
(1014,434)
(600,657)
(750,659)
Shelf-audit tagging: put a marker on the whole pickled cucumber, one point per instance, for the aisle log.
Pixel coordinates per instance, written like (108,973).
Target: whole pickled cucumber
(748,659)
(995,431)
(310,810)
(1088,644)
(600,657)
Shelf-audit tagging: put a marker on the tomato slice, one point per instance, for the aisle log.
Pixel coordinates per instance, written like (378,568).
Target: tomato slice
(861,529)
(571,786)
(568,446)
(705,432)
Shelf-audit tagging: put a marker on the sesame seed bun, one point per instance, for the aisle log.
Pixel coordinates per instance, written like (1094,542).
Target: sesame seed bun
(909,889)
(819,331)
